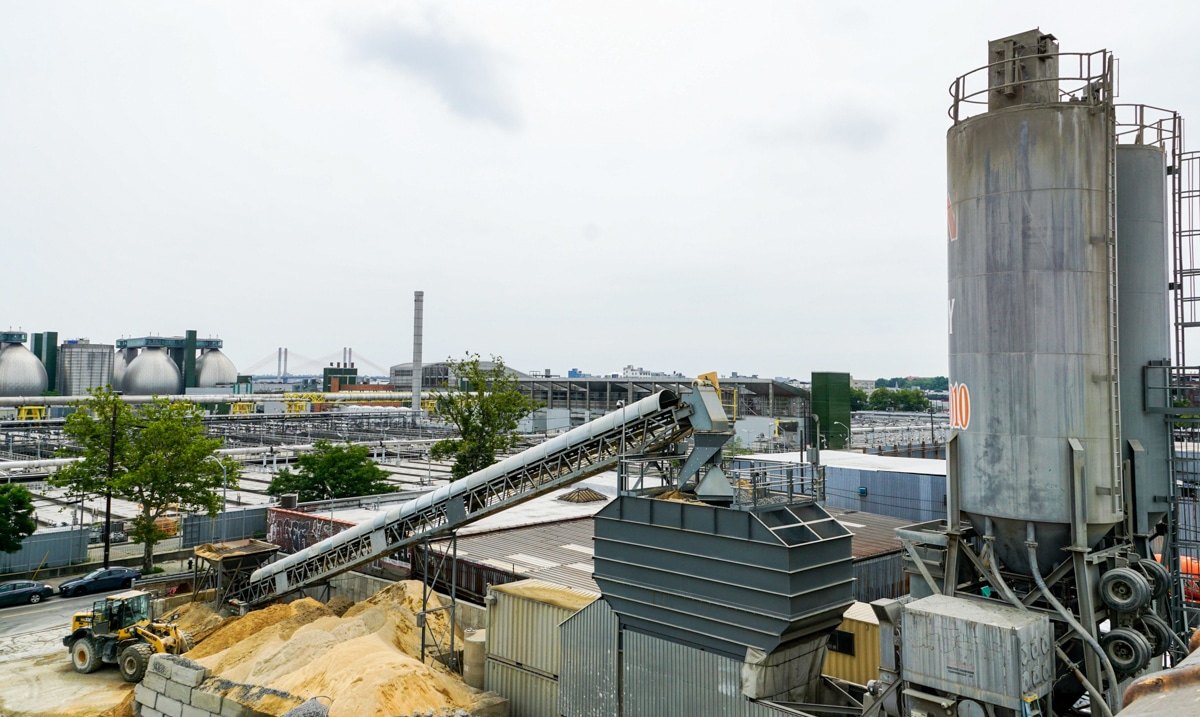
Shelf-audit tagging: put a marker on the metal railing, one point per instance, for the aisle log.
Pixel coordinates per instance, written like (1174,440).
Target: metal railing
(1089,78)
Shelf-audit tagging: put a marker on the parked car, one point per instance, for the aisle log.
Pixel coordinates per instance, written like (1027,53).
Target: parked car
(100,580)
(18,592)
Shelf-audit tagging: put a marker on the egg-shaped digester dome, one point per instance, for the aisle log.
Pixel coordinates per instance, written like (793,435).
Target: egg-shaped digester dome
(214,368)
(21,372)
(118,372)
(152,373)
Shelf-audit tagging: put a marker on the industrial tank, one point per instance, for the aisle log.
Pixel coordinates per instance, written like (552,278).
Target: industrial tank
(21,373)
(1143,265)
(214,368)
(118,371)
(1029,322)
(152,373)
(83,366)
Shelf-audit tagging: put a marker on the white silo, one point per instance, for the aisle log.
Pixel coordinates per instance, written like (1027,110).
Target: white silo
(152,373)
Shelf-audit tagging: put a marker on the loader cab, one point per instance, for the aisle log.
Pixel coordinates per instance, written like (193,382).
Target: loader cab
(119,612)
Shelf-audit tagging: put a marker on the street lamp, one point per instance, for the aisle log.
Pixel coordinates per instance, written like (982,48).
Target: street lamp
(848,438)
(224,493)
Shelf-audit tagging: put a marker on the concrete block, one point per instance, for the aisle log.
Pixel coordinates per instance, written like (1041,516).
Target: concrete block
(168,706)
(209,701)
(190,711)
(184,671)
(176,691)
(155,681)
(144,695)
(159,665)
(147,712)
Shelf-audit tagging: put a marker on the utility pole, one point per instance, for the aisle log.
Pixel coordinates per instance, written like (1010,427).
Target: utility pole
(112,449)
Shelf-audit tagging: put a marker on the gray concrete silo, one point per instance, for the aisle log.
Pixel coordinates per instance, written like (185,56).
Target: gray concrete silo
(1031,332)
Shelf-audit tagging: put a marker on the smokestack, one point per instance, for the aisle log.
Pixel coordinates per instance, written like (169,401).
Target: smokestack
(279,363)
(285,363)
(350,356)
(418,331)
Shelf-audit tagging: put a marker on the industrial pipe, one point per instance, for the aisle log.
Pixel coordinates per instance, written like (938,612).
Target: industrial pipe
(341,396)
(1031,547)
(240,451)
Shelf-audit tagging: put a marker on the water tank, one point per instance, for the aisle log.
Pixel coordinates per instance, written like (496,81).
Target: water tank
(1029,323)
(153,373)
(214,368)
(1143,266)
(82,367)
(21,373)
(118,373)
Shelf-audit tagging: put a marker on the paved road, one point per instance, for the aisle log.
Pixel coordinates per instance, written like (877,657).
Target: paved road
(37,629)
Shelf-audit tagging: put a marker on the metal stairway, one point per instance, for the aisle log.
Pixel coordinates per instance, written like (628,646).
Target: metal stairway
(645,426)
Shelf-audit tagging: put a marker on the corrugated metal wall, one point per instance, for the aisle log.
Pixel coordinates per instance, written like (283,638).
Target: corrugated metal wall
(880,576)
(237,525)
(665,678)
(524,632)
(51,548)
(910,496)
(590,661)
(529,694)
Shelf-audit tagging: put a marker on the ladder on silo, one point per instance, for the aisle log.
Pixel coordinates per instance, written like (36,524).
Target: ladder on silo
(1114,355)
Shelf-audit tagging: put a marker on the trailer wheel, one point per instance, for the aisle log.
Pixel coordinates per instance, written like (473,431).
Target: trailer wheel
(1124,590)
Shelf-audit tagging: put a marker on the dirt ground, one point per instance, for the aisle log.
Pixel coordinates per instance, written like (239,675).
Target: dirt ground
(46,685)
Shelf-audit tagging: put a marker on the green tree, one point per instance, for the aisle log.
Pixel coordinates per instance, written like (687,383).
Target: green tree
(485,408)
(858,399)
(158,457)
(882,399)
(735,447)
(332,471)
(911,399)
(16,516)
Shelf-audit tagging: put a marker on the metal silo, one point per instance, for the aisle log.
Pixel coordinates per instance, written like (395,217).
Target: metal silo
(1143,267)
(83,366)
(153,373)
(120,363)
(21,373)
(1032,330)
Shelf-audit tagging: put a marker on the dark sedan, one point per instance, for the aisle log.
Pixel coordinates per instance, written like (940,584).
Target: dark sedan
(100,580)
(19,592)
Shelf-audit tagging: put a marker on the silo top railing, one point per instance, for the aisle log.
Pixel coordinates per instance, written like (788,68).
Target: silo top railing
(1083,78)
(1149,125)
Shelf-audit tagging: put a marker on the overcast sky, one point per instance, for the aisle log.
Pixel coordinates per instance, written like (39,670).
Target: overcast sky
(751,187)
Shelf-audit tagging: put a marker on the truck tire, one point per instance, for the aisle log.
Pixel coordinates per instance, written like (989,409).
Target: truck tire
(133,661)
(186,642)
(85,655)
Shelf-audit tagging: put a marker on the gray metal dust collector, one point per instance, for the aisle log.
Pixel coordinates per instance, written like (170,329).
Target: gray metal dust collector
(1057,306)
(747,569)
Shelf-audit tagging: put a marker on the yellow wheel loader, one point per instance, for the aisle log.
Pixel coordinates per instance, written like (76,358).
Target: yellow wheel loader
(120,629)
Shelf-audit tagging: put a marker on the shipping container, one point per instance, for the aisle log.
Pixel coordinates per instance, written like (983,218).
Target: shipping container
(523,620)
(587,682)
(529,694)
(853,653)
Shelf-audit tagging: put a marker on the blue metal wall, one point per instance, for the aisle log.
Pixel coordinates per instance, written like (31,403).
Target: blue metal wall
(51,548)
(910,496)
(235,524)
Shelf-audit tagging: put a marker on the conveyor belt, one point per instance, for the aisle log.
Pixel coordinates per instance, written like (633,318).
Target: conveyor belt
(592,448)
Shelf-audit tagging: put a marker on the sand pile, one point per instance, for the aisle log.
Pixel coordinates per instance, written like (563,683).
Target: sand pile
(677,496)
(198,619)
(366,661)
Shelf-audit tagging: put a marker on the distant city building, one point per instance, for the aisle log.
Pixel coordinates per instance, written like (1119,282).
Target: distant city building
(863,384)
(436,375)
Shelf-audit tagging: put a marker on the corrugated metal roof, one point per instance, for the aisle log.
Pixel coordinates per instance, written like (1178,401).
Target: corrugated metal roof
(560,553)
